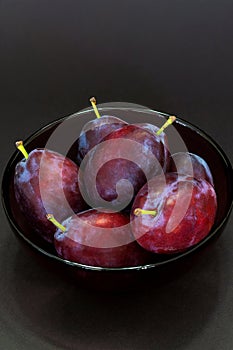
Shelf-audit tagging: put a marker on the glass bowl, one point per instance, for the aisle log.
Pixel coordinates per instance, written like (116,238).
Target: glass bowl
(60,136)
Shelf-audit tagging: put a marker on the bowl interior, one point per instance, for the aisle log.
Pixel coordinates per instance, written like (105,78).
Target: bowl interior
(182,136)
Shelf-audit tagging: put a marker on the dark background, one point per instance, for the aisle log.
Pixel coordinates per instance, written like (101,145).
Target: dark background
(172,56)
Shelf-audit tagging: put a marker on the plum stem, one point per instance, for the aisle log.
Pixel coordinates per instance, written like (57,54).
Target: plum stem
(20,146)
(170,120)
(51,218)
(93,103)
(139,212)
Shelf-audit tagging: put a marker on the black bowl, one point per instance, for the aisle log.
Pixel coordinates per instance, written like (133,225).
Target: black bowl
(55,136)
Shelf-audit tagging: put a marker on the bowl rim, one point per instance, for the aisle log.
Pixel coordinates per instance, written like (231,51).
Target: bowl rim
(129,268)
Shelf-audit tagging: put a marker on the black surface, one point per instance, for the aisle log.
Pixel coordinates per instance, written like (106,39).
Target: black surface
(173,56)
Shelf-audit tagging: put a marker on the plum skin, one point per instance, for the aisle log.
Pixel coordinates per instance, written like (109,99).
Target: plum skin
(200,169)
(111,172)
(93,133)
(27,186)
(197,222)
(72,244)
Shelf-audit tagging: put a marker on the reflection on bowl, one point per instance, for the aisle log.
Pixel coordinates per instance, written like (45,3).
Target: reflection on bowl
(190,137)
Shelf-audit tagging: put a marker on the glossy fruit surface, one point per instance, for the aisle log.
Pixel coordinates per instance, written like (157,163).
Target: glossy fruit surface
(191,164)
(186,210)
(99,239)
(153,129)
(121,165)
(47,182)
(93,133)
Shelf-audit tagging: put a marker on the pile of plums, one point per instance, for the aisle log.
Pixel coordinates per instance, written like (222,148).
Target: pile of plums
(123,199)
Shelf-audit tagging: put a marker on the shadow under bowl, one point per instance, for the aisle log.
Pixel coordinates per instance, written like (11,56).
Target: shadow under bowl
(182,136)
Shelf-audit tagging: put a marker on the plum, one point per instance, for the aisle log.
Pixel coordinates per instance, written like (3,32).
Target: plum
(45,180)
(95,130)
(98,238)
(154,130)
(121,165)
(93,133)
(173,212)
(191,164)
